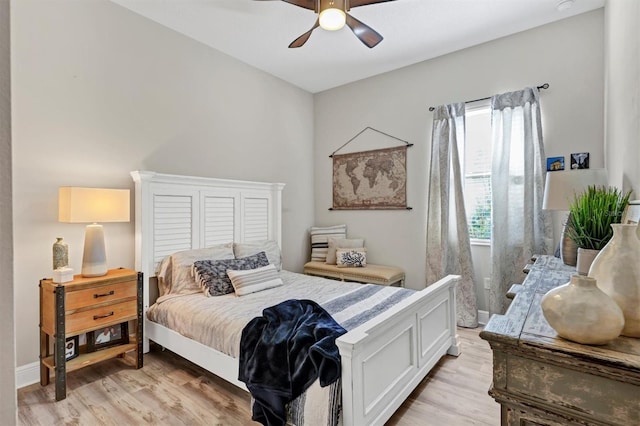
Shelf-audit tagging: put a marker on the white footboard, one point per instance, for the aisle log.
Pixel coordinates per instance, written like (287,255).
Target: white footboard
(386,358)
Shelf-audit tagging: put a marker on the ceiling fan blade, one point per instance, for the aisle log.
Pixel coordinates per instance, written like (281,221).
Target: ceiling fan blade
(300,41)
(365,33)
(356,3)
(307,4)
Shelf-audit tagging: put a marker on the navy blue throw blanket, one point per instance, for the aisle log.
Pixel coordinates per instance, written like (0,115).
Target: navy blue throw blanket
(283,352)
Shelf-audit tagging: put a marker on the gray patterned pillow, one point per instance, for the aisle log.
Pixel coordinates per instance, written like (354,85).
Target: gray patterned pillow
(351,257)
(212,274)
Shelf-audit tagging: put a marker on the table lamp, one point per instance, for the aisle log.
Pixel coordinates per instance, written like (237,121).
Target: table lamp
(93,205)
(559,190)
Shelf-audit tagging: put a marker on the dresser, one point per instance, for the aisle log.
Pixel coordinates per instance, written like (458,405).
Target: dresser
(542,379)
(89,306)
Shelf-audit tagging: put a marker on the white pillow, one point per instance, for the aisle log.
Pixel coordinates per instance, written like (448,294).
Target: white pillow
(351,257)
(270,247)
(335,243)
(320,240)
(254,280)
(175,272)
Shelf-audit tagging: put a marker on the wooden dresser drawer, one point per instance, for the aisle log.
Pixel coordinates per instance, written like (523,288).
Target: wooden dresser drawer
(102,294)
(83,321)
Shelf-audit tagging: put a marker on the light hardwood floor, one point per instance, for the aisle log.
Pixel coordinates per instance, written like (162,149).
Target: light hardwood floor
(171,391)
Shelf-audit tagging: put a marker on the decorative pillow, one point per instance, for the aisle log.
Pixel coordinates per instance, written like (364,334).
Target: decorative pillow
(270,247)
(320,240)
(335,243)
(212,274)
(175,271)
(253,280)
(351,257)
(163,275)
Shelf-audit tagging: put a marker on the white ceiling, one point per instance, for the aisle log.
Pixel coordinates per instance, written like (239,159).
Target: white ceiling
(258,32)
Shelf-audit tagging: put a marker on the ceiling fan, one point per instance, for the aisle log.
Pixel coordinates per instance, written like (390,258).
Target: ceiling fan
(332,15)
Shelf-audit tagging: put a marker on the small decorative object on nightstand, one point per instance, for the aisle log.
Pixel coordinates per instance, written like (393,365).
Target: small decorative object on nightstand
(85,305)
(60,254)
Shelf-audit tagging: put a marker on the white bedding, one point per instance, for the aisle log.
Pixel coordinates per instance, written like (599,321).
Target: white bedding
(218,321)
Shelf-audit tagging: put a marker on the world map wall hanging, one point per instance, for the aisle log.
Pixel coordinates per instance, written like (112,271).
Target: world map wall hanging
(371,180)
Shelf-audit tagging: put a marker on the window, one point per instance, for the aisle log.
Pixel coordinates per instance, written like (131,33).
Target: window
(476,163)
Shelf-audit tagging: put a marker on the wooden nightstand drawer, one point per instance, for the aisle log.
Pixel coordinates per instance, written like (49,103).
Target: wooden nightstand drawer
(83,321)
(98,295)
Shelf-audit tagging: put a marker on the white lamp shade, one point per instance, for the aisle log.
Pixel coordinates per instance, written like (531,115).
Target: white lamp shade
(82,205)
(561,186)
(88,205)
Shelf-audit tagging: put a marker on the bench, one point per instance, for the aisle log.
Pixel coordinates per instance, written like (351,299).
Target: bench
(375,274)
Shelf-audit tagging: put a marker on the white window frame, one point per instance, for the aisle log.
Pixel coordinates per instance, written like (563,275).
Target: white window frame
(474,108)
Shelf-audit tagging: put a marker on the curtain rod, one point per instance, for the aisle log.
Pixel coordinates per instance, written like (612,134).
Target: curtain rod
(544,86)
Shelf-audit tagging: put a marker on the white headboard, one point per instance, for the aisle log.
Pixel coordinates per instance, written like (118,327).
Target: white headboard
(174,213)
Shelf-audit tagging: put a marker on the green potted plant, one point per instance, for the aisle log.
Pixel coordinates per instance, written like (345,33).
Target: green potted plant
(591,214)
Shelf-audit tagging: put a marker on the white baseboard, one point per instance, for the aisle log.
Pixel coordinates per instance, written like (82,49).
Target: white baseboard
(27,374)
(483,317)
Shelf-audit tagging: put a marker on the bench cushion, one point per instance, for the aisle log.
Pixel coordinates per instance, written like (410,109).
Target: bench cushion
(377,274)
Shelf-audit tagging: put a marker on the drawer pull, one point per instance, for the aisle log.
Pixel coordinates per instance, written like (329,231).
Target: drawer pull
(95,317)
(111,293)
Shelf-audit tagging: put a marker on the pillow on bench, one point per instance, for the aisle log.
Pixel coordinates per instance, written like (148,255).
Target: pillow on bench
(320,240)
(351,257)
(336,243)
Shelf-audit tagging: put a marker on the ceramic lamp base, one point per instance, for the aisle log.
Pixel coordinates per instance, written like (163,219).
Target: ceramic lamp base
(568,249)
(94,258)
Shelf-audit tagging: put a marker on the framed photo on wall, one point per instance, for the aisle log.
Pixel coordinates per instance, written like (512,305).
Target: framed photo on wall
(631,215)
(108,336)
(579,160)
(555,164)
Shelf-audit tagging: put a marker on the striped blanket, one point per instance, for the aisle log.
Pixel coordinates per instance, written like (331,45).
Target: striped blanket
(322,406)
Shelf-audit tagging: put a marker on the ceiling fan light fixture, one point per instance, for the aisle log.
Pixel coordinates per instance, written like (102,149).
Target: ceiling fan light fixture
(564,5)
(332,19)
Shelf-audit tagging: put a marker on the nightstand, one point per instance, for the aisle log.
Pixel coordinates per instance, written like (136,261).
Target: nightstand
(85,305)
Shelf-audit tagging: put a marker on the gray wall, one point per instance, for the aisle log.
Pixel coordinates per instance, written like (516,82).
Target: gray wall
(7,352)
(622,73)
(99,91)
(567,54)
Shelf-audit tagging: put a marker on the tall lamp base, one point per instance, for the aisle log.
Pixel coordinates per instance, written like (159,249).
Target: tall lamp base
(94,258)
(568,249)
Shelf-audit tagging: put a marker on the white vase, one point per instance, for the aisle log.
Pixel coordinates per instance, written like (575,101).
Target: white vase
(585,258)
(617,270)
(581,312)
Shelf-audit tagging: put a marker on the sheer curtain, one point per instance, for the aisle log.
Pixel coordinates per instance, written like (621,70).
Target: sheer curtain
(520,228)
(448,248)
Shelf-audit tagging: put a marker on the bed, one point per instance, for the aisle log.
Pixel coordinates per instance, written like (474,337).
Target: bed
(174,213)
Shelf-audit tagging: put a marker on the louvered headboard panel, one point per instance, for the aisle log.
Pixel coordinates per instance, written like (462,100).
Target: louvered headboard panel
(174,213)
